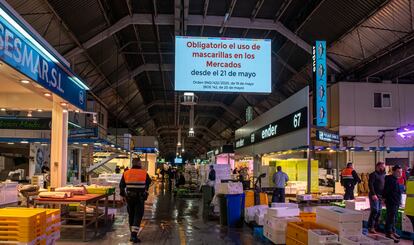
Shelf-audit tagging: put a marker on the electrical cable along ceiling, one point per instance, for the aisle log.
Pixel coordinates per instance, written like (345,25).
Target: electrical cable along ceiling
(125,51)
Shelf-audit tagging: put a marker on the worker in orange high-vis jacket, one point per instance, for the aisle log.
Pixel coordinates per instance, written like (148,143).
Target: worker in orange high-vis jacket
(349,178)
(134,191)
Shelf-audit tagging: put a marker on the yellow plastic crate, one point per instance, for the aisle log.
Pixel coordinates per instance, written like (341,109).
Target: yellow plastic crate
(291,241)
(52,215)
(37,241)
(299,230)
(22,218)
(307,216)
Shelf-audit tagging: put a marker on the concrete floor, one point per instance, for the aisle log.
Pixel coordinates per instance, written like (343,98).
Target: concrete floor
(169,220)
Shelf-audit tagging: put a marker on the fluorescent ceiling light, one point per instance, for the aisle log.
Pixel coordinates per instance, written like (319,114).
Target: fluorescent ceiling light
(12,22)
(24,81)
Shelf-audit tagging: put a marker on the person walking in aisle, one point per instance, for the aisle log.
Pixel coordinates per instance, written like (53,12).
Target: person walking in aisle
(279,178)
(409,203)
(349,178)
(392,196)
(376,187)
(134,187)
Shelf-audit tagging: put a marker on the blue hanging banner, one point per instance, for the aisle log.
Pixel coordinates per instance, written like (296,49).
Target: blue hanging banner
(320,89)
(20,50)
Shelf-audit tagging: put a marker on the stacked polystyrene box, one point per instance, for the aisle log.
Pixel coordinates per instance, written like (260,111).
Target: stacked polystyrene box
(259,215)
(296,187)
(321,236)
(360,203)
(304,197)
(345,221)
(276,220)
(250,212)
(229,188)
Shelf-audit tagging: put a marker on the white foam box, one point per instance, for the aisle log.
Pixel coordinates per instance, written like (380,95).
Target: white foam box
(259,219)
(356,205)
(343,228)
(283,212)
(284,205)
(319,236)
(304,197)
(251,211)
(276,237)
(356,240)
(230,188)
(379,240)
(338,214)
(278,224)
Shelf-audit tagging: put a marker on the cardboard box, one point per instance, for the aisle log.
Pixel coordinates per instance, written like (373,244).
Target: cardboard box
(317,236)
(283,212)
(338,214)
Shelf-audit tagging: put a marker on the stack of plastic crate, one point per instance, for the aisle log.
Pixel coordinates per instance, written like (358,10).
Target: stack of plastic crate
(52,221)
(23,227)
(53,226)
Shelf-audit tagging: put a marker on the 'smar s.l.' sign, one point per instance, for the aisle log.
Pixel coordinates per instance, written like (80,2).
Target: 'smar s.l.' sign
(290,123)
(25,55)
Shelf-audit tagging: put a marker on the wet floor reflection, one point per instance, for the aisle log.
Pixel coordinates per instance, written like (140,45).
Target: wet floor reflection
(173,220)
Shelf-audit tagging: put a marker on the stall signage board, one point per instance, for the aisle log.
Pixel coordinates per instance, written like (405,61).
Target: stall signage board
(327,136)
(21,51)
(320,92)
(290,123)
(26,123)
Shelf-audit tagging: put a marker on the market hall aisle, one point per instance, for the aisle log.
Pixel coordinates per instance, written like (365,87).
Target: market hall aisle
(170,220)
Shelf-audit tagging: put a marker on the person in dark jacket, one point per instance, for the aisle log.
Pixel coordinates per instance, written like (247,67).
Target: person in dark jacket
(376,188)
(212,174)
(392,196)
(349,178)
(180,179)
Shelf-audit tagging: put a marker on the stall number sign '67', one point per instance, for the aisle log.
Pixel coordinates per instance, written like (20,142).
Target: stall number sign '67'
(287,124)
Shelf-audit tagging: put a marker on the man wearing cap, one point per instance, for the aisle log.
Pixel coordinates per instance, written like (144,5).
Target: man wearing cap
(134,187)
(392,196)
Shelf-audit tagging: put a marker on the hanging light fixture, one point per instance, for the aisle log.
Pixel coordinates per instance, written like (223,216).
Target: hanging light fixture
(191,126)
(29,113)
(179,137)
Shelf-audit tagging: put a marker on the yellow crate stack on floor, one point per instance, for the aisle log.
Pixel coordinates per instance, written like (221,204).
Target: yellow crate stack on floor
(52,223)
(23,227)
